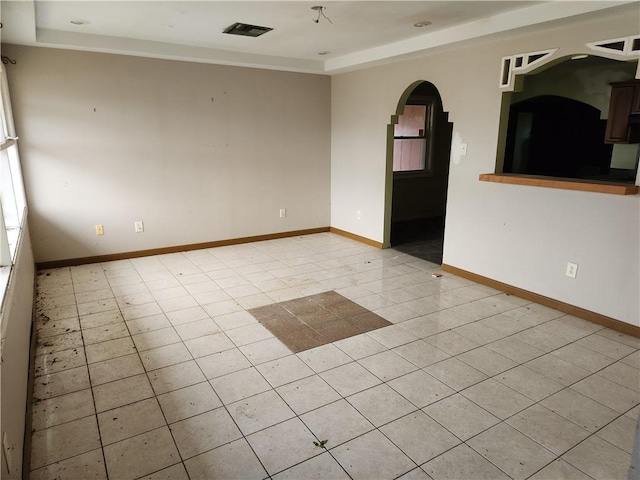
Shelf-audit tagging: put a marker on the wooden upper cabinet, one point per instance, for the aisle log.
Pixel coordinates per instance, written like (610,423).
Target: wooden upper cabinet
(625,101)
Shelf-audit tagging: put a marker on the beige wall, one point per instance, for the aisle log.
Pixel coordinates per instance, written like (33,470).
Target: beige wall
(16,320)
(197,152)
(522,236)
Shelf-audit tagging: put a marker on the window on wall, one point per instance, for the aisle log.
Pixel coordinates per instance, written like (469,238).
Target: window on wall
(12,196)
(413,138)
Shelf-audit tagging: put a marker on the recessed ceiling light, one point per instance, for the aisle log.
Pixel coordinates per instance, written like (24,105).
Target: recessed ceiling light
(579,57)
(424,23)
(80,22)
(324,53)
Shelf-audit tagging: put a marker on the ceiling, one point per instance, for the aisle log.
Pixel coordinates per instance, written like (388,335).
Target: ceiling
(359,33)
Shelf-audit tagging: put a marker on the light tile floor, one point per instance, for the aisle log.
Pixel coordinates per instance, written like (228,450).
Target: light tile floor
(152,368)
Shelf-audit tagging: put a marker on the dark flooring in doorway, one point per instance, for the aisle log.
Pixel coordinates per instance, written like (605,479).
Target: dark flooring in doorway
(420,238)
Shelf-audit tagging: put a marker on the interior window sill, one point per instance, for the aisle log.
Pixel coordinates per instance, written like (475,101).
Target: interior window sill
(562,183)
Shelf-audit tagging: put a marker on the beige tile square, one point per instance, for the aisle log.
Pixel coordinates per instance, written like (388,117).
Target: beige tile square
(324,357)
(209,344)
(141,455)
(579,409)
(57,343)
(369,401)
(60,383)
(187,315)
(49,328)
(64,441)
(461,416)
(130,420)
(455,374)
(155,338)
(100,319)
(622,374)
(97,306)
(337,423)
(107,332)
(605,346)
(451,343)
(174,472)
(100,352)
(487,361)
(350,378)
(392,336)
(557,369)
(621,433)
(188,402)
(197,329)
(59,361)
(140,311)
(548,429)
(178,303)
(529,383)
(387,365)
(583,357)
(419,437)
(497,399)
(204,432)
(233,460)
(147,324)
(249,334)
(260,411)
(284,445)
(462,462)
(560,470)
(360,346)
(284,370)
(420,388)
(421,354)
(223,363)
(502,445)
(599,459)
(62,409)
(619,337)
(265,351)
(175,376)
(608,393)
(165,356)
(122,392)
(322,466)
(89,466)
(115,369)
(516,350)
(238,385)
(307,394)
(372,455)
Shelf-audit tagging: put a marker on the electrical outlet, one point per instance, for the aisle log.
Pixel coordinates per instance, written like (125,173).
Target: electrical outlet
(99,230)
(139,226)
(6,449)
(358,215)
(283,212)
(572,270)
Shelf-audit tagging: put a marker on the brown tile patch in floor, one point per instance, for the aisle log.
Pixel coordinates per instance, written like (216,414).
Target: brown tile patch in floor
(313,321)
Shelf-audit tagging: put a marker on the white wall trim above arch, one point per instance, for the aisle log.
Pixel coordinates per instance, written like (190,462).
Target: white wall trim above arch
(522,63)
(629,46)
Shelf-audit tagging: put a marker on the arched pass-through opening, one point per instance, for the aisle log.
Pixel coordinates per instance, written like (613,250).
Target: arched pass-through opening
(417,172)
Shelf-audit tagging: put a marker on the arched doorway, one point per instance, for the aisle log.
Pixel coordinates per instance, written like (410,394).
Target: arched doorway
(418,153)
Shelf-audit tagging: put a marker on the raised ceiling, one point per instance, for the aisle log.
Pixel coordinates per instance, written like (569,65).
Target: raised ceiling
(362,33)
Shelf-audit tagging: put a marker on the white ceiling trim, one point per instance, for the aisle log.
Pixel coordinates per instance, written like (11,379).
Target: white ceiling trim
(500,23)
(22,29)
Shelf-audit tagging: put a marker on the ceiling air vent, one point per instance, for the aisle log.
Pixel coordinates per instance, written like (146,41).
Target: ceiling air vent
(246,30)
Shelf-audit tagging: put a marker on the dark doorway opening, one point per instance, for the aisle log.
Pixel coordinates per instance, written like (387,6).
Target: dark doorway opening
(419,196)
